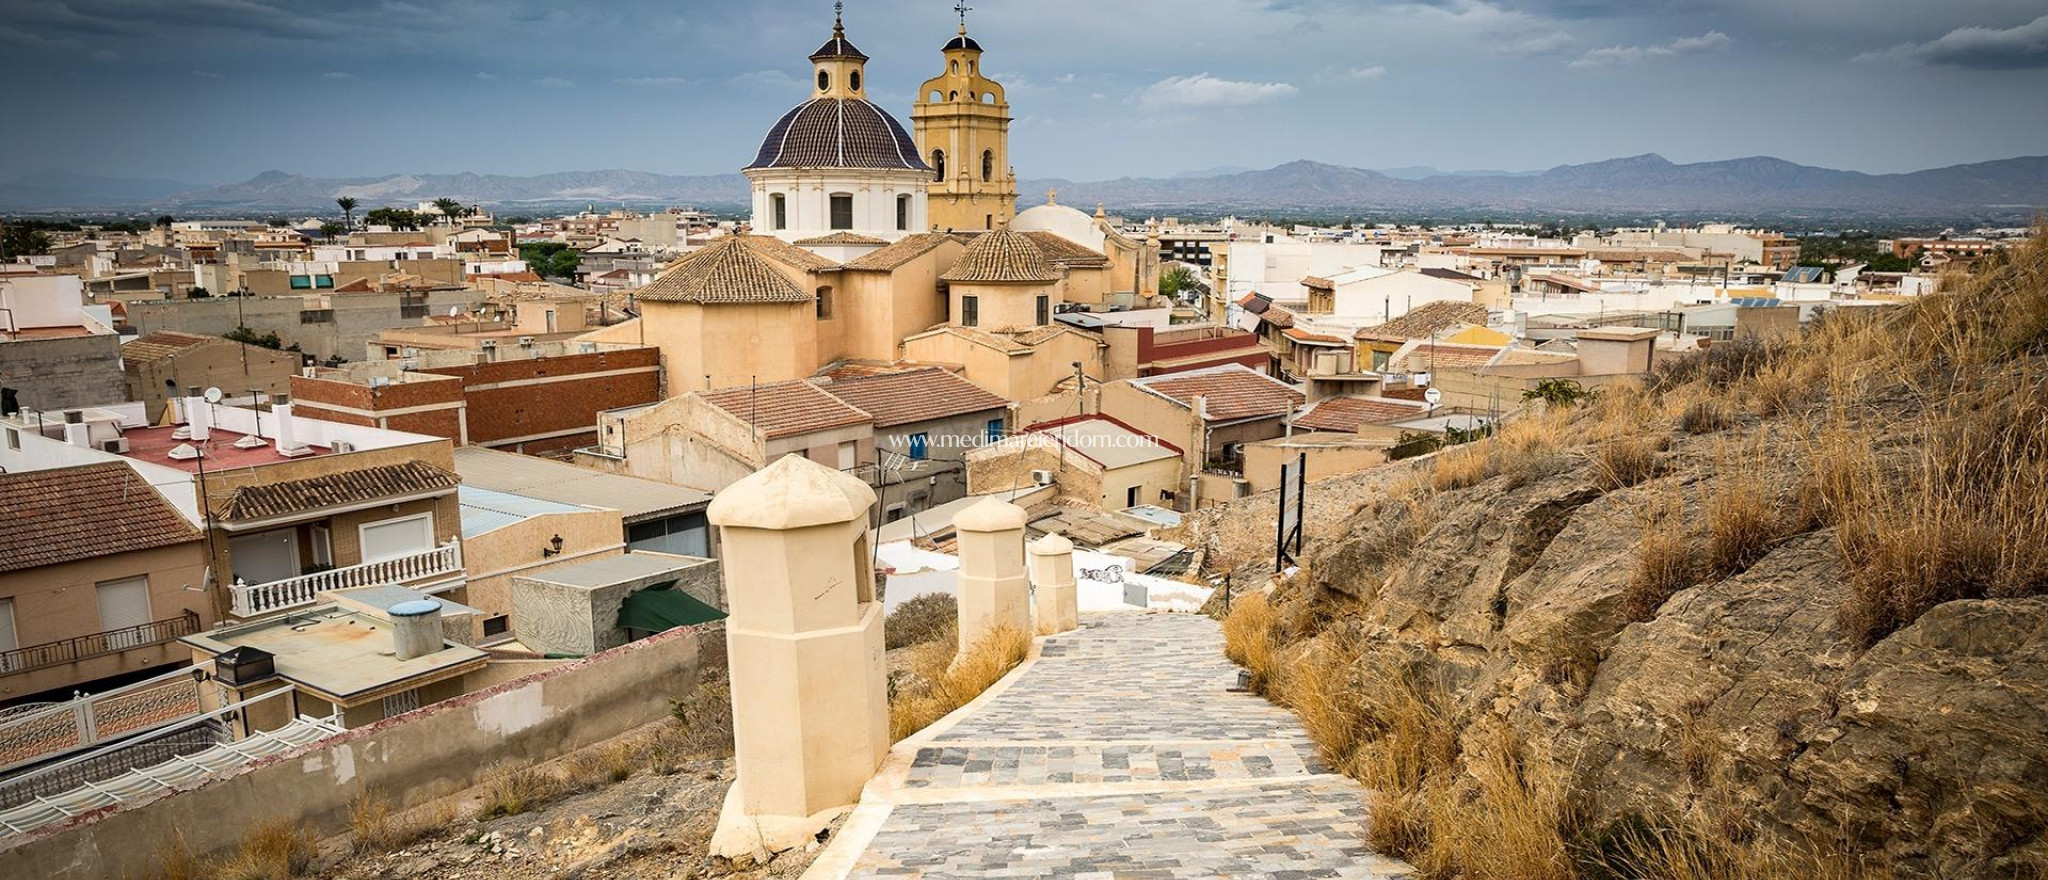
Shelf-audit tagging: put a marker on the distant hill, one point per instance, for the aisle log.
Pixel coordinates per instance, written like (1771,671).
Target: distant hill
(64,189)
(1648,184)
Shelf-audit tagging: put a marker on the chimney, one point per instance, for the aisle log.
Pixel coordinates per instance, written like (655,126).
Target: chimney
(197,425)
(77,433)
(416,628)
(282,429)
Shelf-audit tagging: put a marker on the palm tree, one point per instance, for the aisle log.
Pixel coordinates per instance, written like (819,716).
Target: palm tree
(348,211)
(449,208)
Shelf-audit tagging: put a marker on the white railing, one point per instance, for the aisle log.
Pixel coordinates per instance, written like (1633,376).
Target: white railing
(253,599)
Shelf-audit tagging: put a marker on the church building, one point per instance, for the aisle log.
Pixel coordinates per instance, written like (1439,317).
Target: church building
(963,133)
(873,247)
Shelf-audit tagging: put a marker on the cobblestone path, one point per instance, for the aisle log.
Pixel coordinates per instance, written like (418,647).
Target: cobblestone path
(1117,752)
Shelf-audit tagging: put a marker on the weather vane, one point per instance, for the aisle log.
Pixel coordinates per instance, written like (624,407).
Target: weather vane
(962,8)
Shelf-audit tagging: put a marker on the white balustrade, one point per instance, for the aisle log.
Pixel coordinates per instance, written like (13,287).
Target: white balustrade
(253,599)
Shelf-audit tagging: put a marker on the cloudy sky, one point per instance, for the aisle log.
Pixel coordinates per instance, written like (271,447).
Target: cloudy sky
(216,90)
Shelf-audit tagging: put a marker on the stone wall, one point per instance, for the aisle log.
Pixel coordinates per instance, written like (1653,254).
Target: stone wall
(410,759)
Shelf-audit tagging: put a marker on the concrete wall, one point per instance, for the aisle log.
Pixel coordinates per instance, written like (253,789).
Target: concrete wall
(492,559)
(233,367)
(1326,458)
(348,322)
(567,619)
(429,753)
(64,372)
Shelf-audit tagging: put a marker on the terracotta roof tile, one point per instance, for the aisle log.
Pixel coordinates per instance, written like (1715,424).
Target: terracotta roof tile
(915,396)
(783,409)
(1448,356)
(1422,321)
(1347,413)
(1002,256)
(69,514)
(903,250)
(1317,281)
(840,237)
(329,490)
(162,344)
(838,133)
(1063,251)
(735,269)
(1299,335)
(1234,391)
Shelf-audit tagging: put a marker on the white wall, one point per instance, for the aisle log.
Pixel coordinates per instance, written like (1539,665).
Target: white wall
(809,193)
(44,301)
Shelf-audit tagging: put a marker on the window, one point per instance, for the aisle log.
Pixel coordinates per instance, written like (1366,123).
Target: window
(935,97)
(1044,310)
(778,211)
(988,164)
(995,430)
(849,455)
(497,626)
(920,447)
(323,281)
(323,546)
(123,604)
(825,303)
(1131,497)
(824,80)
(8,639)
(685,535)
(970,311)
(842,210)
(853,80)
(14,438)
(302,282)
(393,538)
(399,704)
(902,212)
(939,165)
(956,67)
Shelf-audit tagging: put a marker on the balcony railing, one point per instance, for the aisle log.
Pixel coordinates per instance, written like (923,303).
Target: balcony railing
(253,599)
(112,641)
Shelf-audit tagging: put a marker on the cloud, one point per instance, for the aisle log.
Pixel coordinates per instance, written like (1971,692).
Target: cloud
(652,81)
(103,55)
(337,75)
(554,82)
(207,74)
(2023,47)
(1065,78)
(1354,74)
(1203,90)
(763,79)
(1530,47)
(1711,41)
(486,77)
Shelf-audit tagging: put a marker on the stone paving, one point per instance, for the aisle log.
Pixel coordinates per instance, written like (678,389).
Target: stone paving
(1119,753)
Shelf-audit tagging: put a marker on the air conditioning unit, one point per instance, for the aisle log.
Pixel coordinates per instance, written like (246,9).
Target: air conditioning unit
(340,446)
(526,340)
(411,352)
(409,364)
(310,372)
(488,343)
(118,445)
(1041,478)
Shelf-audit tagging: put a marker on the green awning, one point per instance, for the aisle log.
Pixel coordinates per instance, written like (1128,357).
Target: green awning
(663,610)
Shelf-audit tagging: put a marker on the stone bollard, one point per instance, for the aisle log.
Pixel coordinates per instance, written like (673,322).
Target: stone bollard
(1055,597)
(993,589)
(810,704)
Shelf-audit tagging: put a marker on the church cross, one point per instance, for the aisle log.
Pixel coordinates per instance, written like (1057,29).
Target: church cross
(963,9)
(1052,196)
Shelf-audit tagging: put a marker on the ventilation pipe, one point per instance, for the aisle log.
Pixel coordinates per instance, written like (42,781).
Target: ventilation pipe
(416,628)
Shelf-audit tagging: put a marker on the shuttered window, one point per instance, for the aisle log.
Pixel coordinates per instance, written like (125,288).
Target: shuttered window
(398,537)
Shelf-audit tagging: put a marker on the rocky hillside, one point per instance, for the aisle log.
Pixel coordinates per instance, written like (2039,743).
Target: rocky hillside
(1782,611)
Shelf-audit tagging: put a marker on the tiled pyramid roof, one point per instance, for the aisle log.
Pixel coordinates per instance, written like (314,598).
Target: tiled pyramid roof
(730,270)
(1004,255)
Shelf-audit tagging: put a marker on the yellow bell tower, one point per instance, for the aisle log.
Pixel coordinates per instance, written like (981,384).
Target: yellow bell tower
(962,129)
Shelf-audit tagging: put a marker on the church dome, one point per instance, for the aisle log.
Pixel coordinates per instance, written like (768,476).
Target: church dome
(838,133)
(962,42)
(1002,256)
(1062,221)
(838,47)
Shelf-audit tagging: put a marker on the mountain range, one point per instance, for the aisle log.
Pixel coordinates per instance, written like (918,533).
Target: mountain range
(1750,187)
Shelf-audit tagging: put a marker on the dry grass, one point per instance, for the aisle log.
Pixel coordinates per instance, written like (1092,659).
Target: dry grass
(275,850)
(1970,520)
(1742,517)
(1248,637)
(516,791)
(1705,417)
(1517,825)
(590,768)
(1315,681)
(374,826)
(1694,853)
(1626,461)
(703,723)
(1460,467)
(943,682)
(1665,560)
(928,618)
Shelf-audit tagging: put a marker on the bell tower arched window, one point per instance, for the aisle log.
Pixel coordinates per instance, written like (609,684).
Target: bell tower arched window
(988,164)
(939,165)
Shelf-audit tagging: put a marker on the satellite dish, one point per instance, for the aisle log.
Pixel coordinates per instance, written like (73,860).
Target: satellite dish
(1432,396)
(212,395)
(454,311)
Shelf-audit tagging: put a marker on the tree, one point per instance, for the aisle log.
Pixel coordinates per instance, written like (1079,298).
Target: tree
(19,240)
(449,208)
(550,259)
(347,204)
(332,229)
(1174,279)
(396,218)
(246,336)
(165,221)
